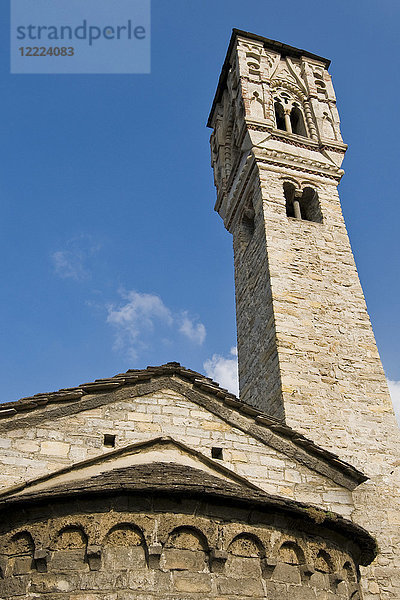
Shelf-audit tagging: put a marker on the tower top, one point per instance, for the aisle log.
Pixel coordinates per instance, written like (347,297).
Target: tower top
(279,47)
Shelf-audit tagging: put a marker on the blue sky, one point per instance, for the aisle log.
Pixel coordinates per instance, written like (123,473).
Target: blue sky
(112,256)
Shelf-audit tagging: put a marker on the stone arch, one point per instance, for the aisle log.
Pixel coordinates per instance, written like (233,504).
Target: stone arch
(310,205)
(291,553)
(21,556)
(71,537)
(69,549)
(290,557)
(245,553)
(124,547)
(186,549)
(293,94)
(247,545)
(324,562)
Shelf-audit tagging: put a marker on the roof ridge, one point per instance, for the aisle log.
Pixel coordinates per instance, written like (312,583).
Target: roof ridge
(199,381)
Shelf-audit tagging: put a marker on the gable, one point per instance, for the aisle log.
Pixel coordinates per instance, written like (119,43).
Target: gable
(157,451)
(63,434)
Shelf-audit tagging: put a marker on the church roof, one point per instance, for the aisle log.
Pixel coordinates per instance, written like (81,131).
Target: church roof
(202,390)
(185,481)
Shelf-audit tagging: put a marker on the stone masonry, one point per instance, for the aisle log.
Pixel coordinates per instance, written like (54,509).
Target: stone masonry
(142,546)
(55,445)
(157,483)
(307,353)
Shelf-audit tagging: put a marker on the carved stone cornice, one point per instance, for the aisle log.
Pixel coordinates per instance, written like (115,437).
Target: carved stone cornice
(287,165)
(292,139)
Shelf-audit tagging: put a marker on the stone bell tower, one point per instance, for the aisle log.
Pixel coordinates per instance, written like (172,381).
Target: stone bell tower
(307,353)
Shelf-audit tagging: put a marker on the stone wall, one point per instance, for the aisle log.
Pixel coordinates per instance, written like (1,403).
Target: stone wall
(44,442)
(135,548)
(299,300)
(259,372)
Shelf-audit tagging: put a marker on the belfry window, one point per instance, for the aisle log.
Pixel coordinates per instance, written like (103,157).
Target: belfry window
(302,204)
(280,116)
(288,115)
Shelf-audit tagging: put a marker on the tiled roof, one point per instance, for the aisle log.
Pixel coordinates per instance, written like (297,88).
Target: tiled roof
(185,481)
(198,382)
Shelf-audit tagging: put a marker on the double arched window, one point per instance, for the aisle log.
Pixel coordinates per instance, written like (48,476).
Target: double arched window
(302,204)
(288,115)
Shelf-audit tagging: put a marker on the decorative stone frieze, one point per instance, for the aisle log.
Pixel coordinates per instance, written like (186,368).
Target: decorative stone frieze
(104,547)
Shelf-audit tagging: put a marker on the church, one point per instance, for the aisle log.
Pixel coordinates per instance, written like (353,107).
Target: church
(158,483)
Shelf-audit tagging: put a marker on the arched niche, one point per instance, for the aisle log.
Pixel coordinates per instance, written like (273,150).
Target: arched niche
(245,553)
(324,562)
(124,548)
(328,130)
(69,550)
(291,553)
(256,107)
(21,557)
(289,560)
(186,549)
(289,190)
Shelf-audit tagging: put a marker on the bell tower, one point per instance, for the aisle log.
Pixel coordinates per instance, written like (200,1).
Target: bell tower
(307,353)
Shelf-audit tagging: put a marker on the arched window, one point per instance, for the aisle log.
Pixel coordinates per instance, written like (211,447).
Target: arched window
(302,205)
(289,115)
(279,116)
(297,121)
(289,191)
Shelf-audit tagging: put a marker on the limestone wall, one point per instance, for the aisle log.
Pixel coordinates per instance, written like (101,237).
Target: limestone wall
(299,300)
(333,384)
(53,443)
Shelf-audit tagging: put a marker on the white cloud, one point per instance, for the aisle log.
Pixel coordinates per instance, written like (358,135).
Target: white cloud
(136,318)
(71,262)
(224,370)
(68,265)
(196,332)
(394,389)
(141,315)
